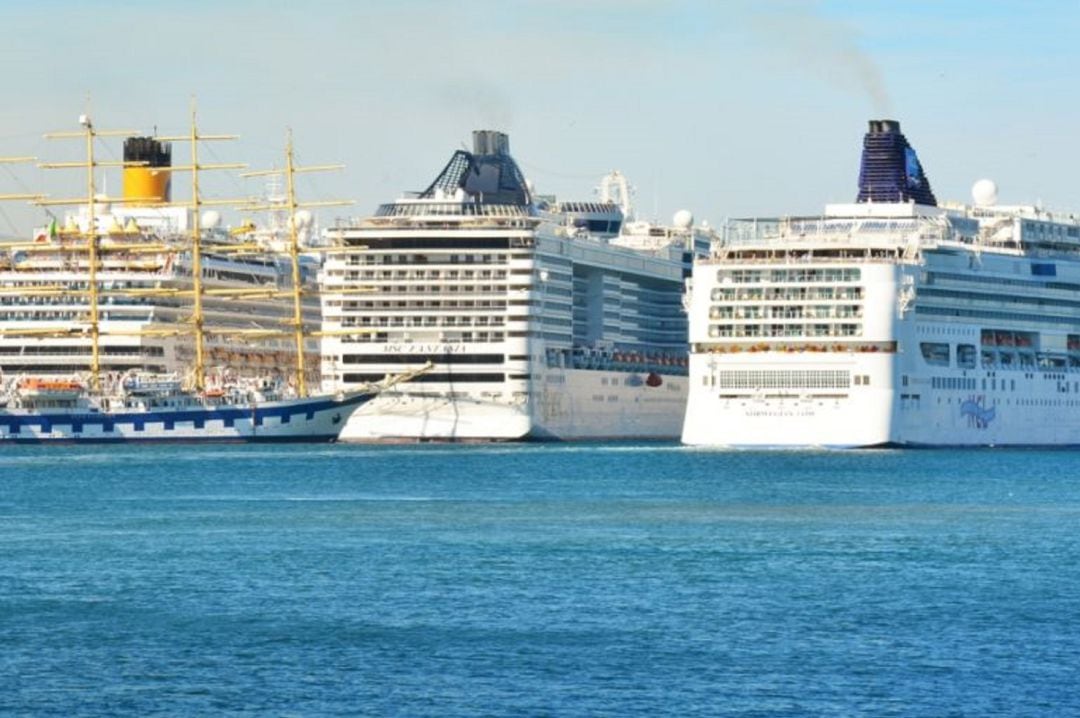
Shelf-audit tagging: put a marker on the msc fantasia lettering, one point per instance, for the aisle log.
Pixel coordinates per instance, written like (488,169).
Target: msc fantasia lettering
(758,412)
(423,348)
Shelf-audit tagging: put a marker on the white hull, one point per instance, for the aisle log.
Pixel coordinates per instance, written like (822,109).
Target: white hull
(1021,409)
(762,420)
(568,405)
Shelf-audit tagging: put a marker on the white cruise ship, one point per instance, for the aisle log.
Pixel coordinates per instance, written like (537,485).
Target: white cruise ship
(543,319)
(891,321)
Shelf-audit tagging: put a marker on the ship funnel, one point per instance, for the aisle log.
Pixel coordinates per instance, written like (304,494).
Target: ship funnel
(890,169)
(490,142)
(487,175)
(150,181)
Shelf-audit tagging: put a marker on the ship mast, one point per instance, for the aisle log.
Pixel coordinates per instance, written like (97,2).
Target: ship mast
(196,203)
(292,205)
(88,135)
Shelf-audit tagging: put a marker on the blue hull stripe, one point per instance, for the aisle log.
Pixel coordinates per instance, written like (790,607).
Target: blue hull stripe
(139,419)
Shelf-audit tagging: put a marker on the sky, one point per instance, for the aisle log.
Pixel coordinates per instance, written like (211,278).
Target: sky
(728,108)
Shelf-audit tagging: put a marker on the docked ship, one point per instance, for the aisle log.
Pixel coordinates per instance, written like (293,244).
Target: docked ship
(134,323)
(894,320)
(542,319)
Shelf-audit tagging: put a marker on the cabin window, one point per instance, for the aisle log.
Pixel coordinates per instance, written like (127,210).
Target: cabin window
(935,353)
(965,356)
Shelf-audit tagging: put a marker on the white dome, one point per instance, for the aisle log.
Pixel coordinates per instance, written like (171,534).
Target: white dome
(985,193)
(303,219)
(683,219)
(211,218)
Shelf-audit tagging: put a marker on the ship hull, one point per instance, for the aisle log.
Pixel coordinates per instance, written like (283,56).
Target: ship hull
(566,405)
(316,419)
(778,418)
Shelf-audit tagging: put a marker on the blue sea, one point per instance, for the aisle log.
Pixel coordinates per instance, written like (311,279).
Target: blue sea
(538,580)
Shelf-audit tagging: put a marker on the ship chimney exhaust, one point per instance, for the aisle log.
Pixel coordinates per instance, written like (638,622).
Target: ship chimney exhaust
(490,142)
(890,169)
(147,181)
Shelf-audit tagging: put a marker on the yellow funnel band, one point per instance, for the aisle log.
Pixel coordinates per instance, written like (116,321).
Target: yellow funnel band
(146,184)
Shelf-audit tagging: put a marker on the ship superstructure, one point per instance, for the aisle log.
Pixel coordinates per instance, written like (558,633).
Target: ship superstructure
(145,278)
(890,321)
(542,319)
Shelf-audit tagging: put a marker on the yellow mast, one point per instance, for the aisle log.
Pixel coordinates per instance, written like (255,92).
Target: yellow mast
(294,257)
(88,134)
(196,260)
(197,290)
(92,240)
(292,205)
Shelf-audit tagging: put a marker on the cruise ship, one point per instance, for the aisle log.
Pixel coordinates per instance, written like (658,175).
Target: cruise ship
(144,279)
(894,320)
(543,319)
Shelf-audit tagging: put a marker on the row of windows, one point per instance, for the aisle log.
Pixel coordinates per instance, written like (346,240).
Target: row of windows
(377,258)
(1039,319)
(781,379)
(799,275)
(954,382)
(785,330)
(785,294)
(424,274)
(449,337)
(997,298)
(104,350)
(786,311)
(961,383)
(428,321)
(429,289)
(445,358)
(430,377)
(968,279)
(436,304)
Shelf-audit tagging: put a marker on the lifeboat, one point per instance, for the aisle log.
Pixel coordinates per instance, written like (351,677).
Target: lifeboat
(55,388)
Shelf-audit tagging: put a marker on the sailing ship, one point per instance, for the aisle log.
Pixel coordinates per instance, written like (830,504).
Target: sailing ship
(80,270)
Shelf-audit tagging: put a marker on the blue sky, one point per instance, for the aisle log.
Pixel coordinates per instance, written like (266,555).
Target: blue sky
(726,108)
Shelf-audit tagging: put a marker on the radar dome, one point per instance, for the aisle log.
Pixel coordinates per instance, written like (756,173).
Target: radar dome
(683,219)
(985,193)
(303,219)
(211,218)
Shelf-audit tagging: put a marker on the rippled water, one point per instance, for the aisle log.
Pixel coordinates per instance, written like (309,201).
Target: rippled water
(537,580)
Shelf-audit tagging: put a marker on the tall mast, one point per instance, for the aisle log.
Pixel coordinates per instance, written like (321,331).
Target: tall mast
(88,134)
(92,245)
(196,203)
(292,205)
(294,257)
(196,260)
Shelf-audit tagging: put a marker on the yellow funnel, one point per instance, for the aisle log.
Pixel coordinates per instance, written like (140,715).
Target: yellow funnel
(149,180)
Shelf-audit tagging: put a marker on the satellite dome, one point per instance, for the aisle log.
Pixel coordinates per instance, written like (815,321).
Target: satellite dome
(684,219)
(303,219)
(985,193)
(211,218)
